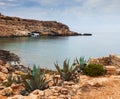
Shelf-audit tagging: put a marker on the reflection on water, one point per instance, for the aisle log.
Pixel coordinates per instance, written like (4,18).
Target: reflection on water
(44,51)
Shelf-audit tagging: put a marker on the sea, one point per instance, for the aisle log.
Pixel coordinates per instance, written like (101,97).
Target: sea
(45,51)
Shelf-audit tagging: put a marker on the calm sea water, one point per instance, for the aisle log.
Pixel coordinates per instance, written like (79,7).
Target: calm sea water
(45,51)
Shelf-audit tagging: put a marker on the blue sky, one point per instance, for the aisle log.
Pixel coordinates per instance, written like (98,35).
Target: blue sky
(79,15)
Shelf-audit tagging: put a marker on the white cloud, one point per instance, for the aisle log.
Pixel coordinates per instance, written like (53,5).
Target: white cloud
(78,14)
(2,3)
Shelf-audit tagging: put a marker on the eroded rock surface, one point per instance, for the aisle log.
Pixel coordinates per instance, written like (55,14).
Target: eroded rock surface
(14,26)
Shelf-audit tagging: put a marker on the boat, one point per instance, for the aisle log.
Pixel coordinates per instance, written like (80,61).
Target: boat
(33,34)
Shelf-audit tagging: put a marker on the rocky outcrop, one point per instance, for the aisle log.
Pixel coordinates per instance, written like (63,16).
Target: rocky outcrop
(87,88)
(11,61)
(14,26)
(6,56)
(111,60)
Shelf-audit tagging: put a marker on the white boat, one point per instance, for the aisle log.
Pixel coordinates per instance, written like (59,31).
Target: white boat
(34,34)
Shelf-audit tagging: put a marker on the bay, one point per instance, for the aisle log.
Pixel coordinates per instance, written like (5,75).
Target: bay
(45,51)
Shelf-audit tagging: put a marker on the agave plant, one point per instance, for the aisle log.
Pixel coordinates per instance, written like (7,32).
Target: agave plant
(10,81)
(82,62)
(37,80)
(67,72)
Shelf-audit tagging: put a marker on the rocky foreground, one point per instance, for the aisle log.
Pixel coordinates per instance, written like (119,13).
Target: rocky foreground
(103,87)
(15,26)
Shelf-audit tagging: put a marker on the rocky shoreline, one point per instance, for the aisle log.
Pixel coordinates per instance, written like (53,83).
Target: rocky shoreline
(16,27)
(102,87)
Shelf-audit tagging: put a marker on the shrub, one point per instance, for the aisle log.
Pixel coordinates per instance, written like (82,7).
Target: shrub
(67,73)
(94,70)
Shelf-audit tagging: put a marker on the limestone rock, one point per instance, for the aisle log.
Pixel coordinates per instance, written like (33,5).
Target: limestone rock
(48,92)
(52,97)
(98,82)
(68,83)
(4,70)
(17,97)
(36,92)
(1,62)
(0,67)
(111,69)
(118,71)
(64,91)
(63,97)
(20,72)
(8,66)
(3,76)
(7,91)
(14,26)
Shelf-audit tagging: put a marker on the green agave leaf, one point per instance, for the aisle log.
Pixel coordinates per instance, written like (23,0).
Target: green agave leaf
(44,84)
(37,81)
(34,71)
(66,65)
(82,60)
(58,69)
(28,85)
(67,72)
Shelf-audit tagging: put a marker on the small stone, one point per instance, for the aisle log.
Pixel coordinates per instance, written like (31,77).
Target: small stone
(68,83)
(0,67)
(36,92)
(8,66)
(118,71)
(14,86)
(48,92)
(3,76)
(7,91)
(41,93)
(20,73)
(64,91)
(75,97)
(76,87)
(55,89)
(2,87)
(63,97)
(52,97)
(1,62)
(110,70)
(58,89)
(16,97)
(79,93)
(56,94)
(4,70)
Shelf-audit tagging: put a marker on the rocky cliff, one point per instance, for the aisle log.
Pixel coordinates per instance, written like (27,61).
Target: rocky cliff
(15,26)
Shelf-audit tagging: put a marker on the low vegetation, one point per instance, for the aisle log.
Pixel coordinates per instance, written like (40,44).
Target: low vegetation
(81,63)
(36,81)
(38,78)
(67,73)
(94,70)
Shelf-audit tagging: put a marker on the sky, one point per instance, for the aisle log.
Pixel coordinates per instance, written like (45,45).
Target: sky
(80,15)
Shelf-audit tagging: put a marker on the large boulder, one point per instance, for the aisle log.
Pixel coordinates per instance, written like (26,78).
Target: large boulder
(111,70)
(6,56)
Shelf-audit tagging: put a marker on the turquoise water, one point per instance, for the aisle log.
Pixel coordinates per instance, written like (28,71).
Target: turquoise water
(45,51)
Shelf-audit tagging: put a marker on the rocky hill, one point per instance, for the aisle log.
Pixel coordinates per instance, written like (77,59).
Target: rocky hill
(15,26)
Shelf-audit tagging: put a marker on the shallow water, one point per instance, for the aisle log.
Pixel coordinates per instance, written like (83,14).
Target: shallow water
(45,51)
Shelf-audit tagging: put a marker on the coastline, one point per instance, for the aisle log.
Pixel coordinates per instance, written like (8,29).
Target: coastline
(86,87)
